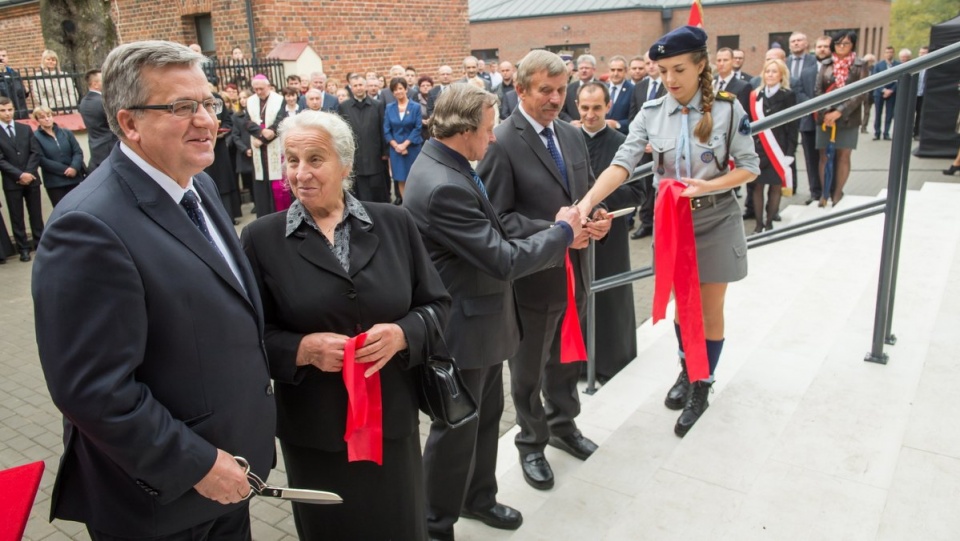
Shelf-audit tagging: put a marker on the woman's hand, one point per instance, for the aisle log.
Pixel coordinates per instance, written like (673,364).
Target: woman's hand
(599,226)
(268,134)
(256,143)
(831,118)
(70,172)
(383,341)
(323,350)
(695,187)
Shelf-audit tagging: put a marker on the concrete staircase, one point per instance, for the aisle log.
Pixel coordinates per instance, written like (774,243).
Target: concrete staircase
(803,439)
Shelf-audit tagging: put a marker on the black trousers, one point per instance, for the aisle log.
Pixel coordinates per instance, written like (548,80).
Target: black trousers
(56,194)
(460,463)
(812,158)
(885,106)
(28,196)
(649,196)
(374,188)
(916,119)
(233,526)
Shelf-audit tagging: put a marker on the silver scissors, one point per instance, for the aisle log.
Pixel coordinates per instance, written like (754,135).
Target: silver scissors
(301,495)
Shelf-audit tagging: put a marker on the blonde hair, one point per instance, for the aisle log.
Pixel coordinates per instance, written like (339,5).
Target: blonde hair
(42,109)
(704,128)
(47,53)
(782,68)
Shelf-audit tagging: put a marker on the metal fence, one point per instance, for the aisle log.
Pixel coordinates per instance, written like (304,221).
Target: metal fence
(62,91)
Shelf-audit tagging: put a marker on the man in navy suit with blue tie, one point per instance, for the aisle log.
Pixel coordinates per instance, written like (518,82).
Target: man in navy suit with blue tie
(621,95)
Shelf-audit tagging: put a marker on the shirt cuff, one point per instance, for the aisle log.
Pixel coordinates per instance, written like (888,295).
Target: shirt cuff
(567,229)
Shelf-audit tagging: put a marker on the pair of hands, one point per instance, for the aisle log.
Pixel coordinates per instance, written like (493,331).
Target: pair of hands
(401,148)
(584,229)
(831,118)
(325,349)
(25,179)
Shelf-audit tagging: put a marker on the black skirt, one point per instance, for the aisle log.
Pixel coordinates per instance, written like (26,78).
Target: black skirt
(380,503)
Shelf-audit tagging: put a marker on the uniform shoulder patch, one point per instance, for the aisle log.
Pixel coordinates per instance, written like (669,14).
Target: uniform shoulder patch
(744,128)
(656,102)
(723,95)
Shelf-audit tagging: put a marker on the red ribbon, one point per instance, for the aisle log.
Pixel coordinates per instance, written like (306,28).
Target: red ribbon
(364,435)
(571,336)
(675,257)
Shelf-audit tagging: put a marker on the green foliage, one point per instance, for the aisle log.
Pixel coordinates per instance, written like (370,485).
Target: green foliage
(910,21)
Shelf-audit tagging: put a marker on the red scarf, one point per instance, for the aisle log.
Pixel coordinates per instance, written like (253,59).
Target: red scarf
(364,434)
(841,69)
(675,258)
(571,335)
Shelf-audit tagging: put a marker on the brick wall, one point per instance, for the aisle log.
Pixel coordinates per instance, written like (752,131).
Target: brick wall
(631,32)
(21,35)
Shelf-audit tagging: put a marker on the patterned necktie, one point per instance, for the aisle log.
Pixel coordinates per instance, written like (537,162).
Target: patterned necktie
(653,91)
(479,183)
(191,204)
(721,85)
(555,154)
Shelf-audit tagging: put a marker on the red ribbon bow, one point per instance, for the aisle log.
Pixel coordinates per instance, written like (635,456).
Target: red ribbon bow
(675,257)
(364,435)
(571,335)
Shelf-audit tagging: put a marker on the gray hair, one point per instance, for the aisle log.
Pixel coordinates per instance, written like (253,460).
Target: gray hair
(459,109)
(329,124)
(588,58)
(536,61)
(123,85)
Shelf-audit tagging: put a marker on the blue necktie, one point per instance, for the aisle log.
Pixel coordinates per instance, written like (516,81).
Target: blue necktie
(653,91)
(191,204)
(555,154)
(479,182)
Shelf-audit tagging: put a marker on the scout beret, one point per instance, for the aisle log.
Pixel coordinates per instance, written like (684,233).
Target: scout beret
(685,39)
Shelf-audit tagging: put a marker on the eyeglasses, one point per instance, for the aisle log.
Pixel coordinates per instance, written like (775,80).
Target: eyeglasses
(845,43)
(183,108)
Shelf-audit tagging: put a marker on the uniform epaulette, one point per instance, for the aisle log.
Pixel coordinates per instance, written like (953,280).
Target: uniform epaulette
(723,95)
(654,102)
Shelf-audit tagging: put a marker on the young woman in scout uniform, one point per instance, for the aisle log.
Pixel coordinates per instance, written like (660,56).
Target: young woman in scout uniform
(693,134)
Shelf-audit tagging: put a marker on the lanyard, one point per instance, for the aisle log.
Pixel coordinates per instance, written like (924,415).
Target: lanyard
(683,144)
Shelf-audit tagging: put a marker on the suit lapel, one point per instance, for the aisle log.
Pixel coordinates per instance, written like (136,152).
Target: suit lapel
(363,244)
(313,249)
(532,138)
(156,204)
(442,158)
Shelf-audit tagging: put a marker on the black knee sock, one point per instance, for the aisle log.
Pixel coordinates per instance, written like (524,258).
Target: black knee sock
(714,347)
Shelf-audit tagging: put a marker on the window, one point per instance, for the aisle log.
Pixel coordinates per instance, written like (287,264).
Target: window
(573,50)
(781,38)
(204,27)
(732,42)
(486,54)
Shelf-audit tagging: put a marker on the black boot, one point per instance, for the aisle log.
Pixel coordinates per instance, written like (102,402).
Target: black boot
(696,404)
(677,395)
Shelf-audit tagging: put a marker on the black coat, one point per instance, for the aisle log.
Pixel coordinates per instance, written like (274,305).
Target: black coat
(786,135)
(305,290)
(366,119)
(102,140)
(56,155)
(18,155)
(240,139)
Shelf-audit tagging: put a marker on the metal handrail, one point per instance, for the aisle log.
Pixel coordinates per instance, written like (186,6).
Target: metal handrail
(891,206)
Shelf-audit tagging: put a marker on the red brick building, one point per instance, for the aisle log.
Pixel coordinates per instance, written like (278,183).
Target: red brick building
(509,29)
(348,35)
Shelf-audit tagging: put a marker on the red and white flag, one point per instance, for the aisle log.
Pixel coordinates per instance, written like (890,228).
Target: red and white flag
(696,15)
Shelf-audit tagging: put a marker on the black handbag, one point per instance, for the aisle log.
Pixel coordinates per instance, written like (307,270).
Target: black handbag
(443,396)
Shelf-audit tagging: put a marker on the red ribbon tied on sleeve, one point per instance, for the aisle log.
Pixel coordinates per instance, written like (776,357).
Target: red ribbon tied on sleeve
(364,434)
(571,335)
(675,260)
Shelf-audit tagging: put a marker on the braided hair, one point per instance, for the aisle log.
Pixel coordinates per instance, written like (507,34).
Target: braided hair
(704,128)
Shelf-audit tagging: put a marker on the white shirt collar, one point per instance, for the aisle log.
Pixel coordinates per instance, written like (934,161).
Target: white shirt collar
(536,125)
(593,134)
(726,80)
(174,190)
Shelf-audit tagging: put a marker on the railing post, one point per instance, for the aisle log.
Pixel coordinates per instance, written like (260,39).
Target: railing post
(591,322)
(902,136)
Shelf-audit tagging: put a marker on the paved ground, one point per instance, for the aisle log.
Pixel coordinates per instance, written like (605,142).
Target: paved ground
(30,427)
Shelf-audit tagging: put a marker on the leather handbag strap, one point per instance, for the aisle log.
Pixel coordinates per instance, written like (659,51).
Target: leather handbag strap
(432,315)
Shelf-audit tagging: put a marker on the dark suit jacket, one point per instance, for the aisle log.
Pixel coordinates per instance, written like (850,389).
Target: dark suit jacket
(741,89)
(366,119)
(474,255)
(152,349)
(527,190)
(508,104)
(806,87)
(305,290)
(879,67)
(620,109)
(640,94)
(102,140)
(57,154)
(569,111)
(17,156)
(786,135)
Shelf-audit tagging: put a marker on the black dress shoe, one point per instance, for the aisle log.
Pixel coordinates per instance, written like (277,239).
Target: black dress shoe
(642,231)
(953,169)
(25,256)
(536,471)
(3,260)
(776,217)
(441,536)
(677,395)
(574,443)
(887,138)
(812,200)
(697,403)
(501,517)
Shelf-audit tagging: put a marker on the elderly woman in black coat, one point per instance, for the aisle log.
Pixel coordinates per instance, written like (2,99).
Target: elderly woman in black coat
(329,268)
(61,160)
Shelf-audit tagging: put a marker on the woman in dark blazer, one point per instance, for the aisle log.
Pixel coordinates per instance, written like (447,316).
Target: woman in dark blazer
(329,268)
(61,159)
(777,152)
(403,131)
(240,139)
(221,170)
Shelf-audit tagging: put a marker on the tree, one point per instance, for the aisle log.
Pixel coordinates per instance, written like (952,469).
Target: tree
(80,31)
(910,21)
